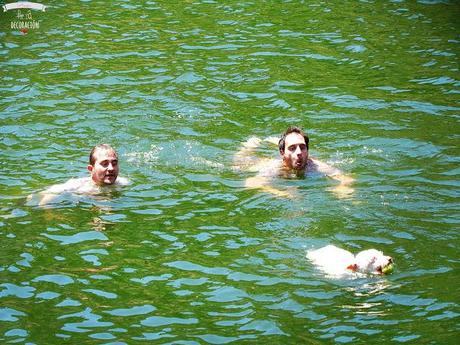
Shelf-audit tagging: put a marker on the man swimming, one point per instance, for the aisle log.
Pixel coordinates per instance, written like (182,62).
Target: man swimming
(103,168)
(295,162)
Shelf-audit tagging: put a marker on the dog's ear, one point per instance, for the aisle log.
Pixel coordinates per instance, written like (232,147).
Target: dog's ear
(352,267)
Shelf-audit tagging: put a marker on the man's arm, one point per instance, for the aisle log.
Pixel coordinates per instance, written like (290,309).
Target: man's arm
(264,183)
(245,159)
(46,198)
(49,195)
(344,188)
(42,198)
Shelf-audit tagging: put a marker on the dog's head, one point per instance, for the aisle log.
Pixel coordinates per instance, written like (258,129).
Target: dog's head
(371,261)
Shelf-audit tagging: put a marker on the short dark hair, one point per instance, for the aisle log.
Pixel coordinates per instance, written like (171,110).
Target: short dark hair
(98,147)
(291,129)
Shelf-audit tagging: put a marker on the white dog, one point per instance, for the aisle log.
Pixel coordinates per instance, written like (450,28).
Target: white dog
(338,262)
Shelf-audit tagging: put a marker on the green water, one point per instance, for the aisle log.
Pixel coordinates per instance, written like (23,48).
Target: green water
(186,254)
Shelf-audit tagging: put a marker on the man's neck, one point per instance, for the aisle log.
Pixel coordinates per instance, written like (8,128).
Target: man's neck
(289,172)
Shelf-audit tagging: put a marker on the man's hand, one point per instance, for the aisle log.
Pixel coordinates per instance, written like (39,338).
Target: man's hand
(342,191)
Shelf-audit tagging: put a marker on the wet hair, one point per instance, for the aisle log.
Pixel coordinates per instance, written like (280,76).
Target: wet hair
(104,147)
(292,129)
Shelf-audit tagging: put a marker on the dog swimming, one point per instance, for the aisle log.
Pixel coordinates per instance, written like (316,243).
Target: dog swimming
(339,262)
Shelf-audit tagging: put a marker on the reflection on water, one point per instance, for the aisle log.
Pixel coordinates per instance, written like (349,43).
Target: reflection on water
(185,254)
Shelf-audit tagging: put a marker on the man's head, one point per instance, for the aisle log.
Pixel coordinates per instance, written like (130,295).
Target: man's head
(103,165)
(293,147)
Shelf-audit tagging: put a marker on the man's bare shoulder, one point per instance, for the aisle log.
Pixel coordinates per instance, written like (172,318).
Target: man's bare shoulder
(122,181)
(72,185)
(274,167)
(315,165)
(268,167)
(82,185)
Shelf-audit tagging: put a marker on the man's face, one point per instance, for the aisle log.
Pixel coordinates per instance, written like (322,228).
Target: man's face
(295,154)
(105,168)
